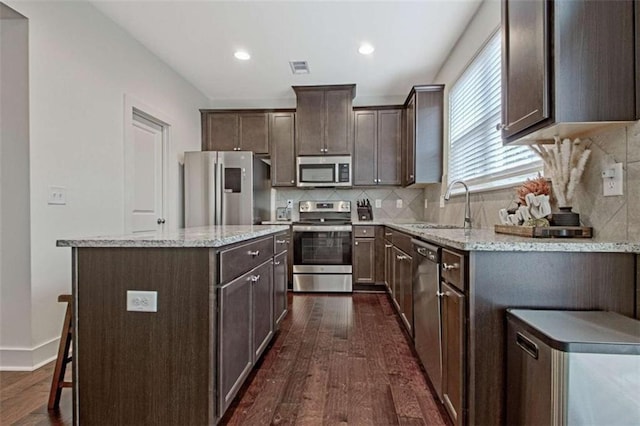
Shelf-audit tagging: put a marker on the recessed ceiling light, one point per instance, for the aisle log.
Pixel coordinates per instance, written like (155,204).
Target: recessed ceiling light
(242,55)
(366,49)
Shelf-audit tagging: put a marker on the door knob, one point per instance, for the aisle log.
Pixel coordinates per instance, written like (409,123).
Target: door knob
(160,221)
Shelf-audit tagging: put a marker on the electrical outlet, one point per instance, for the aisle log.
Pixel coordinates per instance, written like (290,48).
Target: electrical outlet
(612,180)
(142,301)
(399,203)
(378,204)
(57,195)
(426,203)
(442,201)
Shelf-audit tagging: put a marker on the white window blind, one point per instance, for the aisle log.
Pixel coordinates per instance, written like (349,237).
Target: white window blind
(476,153)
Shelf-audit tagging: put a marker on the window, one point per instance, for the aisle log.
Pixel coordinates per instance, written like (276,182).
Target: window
(476,153)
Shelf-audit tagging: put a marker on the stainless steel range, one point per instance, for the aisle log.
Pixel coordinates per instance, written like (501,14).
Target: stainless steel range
(322,247)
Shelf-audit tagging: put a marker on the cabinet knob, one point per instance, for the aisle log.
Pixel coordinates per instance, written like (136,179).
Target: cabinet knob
(439,293)
(410,176)
(292,181)
(160,221)
(255,278)
(448,267)
(356,243)
(276,263)
(253,253)
(364,231)
(501,126)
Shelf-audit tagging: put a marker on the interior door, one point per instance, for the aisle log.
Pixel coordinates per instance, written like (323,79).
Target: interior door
(145,177)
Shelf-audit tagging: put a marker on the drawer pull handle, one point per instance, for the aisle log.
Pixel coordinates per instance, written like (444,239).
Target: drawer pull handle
(402,257)
(253,253)
(277,263)
(527,345)
(388,234)
(388,245)
(281,241)
(255,278)
(448,267)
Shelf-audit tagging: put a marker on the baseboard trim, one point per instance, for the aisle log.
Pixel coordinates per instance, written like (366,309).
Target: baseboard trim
(28,359)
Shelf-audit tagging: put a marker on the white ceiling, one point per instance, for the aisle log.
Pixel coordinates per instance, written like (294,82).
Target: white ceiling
(198,38)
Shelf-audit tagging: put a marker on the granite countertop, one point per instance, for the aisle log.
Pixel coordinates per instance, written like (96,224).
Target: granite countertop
(203,236)
(486,239)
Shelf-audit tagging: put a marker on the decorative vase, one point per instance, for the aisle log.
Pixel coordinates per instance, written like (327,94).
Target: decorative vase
(565,217)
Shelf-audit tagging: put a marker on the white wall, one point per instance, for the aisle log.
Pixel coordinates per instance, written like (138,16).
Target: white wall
(81,66)
(15,270)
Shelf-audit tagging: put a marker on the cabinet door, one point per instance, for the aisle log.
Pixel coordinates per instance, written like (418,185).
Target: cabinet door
(310,123)
(389,147)
(283,157)
(453,351)
(364,156)
(254,132)
(338,113)
(388,265)
(234,346)
(222,132)
(526,91)
(410,143)
(280,287)
(262,281)
(364,260)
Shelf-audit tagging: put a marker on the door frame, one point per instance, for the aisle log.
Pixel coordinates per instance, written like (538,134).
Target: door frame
(133,105)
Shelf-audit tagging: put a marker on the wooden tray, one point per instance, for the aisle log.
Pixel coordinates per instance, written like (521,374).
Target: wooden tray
(546,231)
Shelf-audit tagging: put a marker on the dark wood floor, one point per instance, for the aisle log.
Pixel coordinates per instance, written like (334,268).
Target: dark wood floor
(336,360)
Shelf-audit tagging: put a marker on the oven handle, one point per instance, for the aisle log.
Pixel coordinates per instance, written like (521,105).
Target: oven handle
(322,228)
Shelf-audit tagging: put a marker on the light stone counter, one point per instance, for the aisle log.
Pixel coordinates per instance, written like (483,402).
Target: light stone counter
(489,240)
(203,236)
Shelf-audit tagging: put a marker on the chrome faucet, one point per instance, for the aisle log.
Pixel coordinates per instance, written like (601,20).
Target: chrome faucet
(467,208)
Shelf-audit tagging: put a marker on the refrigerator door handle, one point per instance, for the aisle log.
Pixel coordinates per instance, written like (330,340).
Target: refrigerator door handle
(527,345)
(211,191)
(220,216)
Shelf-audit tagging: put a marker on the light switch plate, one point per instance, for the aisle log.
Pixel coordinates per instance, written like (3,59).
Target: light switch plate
(399,203)
(378,204)
(442,201)
(142,301)
(57,195)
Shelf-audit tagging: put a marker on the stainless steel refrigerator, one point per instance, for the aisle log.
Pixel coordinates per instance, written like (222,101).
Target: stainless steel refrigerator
(226,188)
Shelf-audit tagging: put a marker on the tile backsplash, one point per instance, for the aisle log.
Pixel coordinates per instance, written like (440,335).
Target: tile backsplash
(615,217)
(412,200)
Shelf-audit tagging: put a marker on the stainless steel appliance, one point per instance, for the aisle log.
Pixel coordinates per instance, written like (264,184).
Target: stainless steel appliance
(322,247)
(572,368)
(324,170)
(426,310)
(225,188)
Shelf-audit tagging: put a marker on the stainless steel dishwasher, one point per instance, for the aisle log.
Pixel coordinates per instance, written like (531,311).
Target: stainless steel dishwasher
(426,310)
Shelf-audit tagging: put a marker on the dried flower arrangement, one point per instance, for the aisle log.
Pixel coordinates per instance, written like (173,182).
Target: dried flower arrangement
(565,161)
(537,186)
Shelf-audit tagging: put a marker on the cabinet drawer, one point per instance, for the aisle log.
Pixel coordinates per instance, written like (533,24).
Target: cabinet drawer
(402,241)
(453,268)
(237,260)
(364,231)
(281,242)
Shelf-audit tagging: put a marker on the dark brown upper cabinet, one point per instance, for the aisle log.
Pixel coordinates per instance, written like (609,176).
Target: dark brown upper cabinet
(568,67)
(235,131)
(377,146)
(637,41)
(422,144)
(324,124)
(282,140)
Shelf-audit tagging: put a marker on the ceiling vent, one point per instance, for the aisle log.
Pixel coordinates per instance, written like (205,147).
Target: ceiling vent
(299,67)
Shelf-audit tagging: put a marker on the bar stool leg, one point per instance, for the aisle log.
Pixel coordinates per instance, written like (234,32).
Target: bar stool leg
(63,357)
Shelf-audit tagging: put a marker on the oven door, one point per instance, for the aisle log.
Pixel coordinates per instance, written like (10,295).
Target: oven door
(322,249)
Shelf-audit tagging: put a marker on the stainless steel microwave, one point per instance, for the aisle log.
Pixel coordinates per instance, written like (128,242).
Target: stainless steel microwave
(325,170)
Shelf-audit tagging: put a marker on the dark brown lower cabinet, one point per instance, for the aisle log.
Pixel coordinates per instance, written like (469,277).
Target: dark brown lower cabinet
(280,281)
(453,352)
(234,329)
(364,260)
(262,301)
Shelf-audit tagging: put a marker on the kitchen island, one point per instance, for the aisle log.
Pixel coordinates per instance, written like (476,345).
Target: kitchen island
(480,275)
(219,296)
